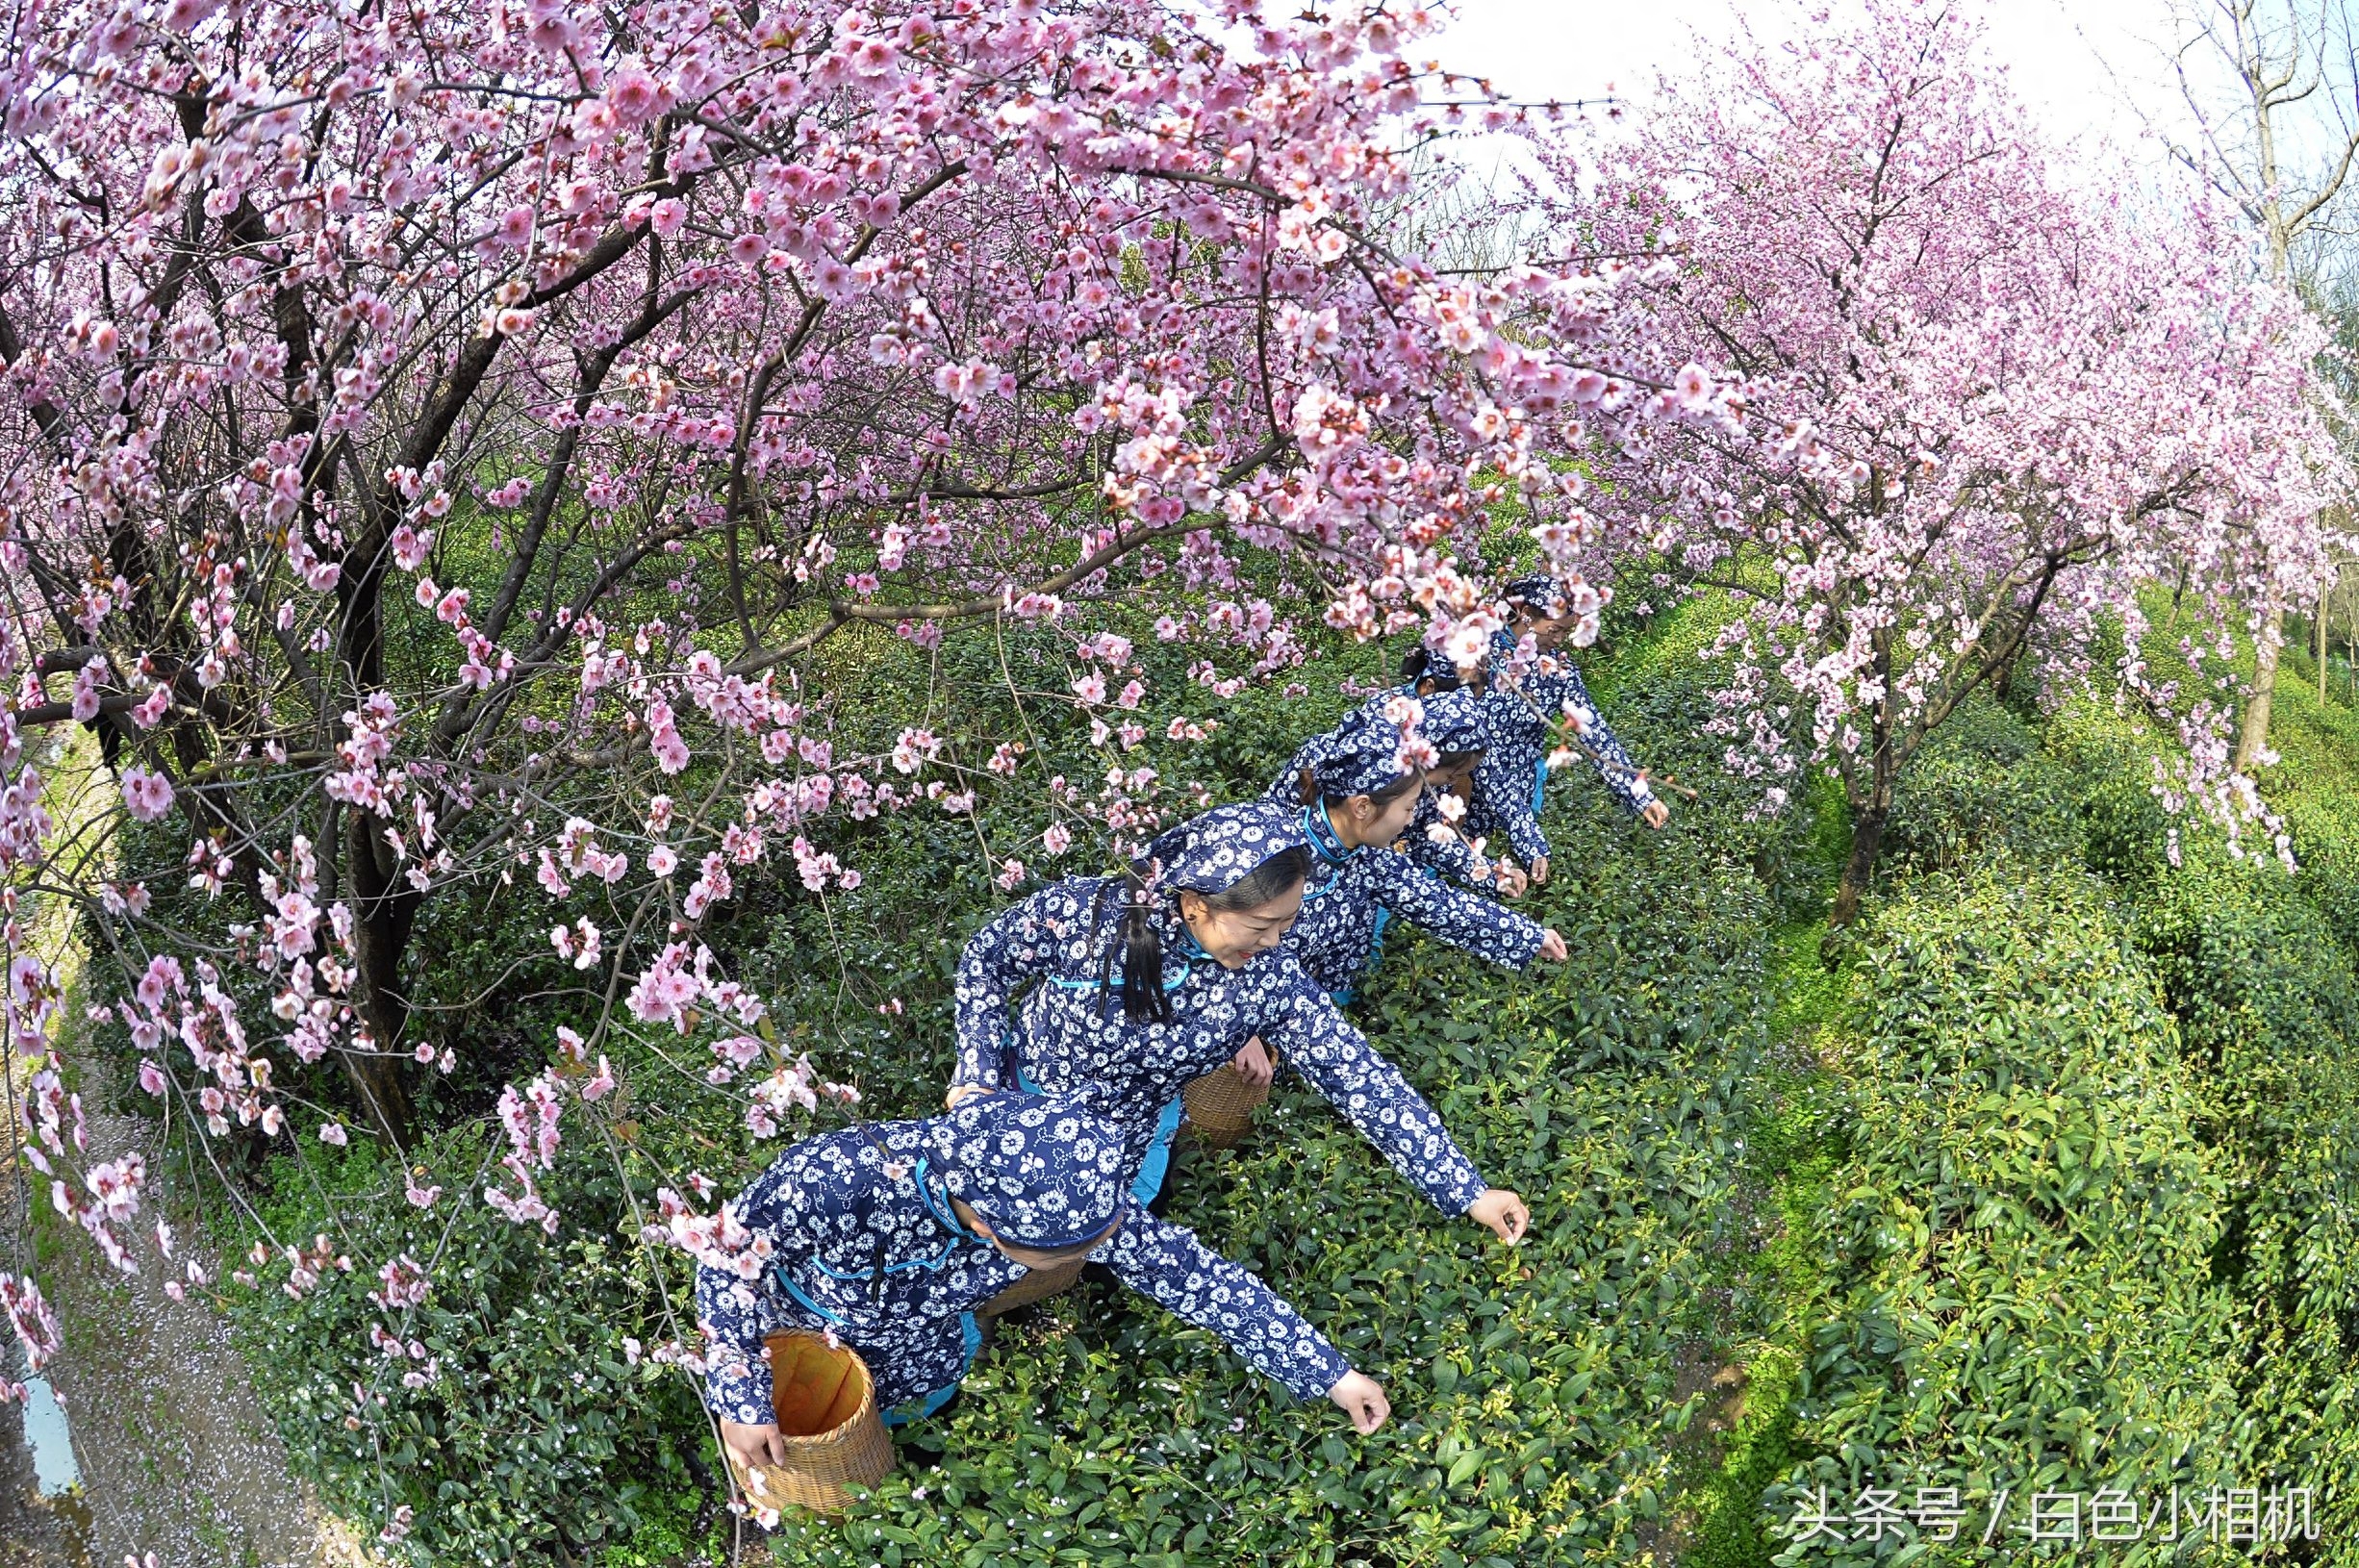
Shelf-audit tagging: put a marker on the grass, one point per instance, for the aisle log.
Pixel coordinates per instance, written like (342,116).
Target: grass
(1797,1137)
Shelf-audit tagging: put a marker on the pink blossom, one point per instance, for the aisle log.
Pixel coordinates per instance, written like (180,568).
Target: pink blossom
(36,1325)
(85,704)
(914,749)
(184,15)
(1931,460)
(146,794)
(634,95)
(403,1284)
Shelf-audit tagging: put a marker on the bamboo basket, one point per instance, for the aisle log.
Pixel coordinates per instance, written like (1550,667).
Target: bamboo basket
(1036,1285)
(1220,1105)
(825,1407)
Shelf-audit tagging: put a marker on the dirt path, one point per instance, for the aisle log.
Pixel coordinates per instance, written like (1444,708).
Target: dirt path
(177,1456)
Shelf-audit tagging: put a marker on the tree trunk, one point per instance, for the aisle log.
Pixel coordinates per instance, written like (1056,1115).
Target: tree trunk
(1867,837)
(1867,827)
(382,906)
(2254,739)
(2002,684)
(2320,639)
(383,913)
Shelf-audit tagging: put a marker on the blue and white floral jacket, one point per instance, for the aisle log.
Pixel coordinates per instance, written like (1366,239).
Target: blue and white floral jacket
(1071,1036)
(842,1243)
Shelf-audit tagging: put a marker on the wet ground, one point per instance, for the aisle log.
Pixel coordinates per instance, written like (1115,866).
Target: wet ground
(44,1521)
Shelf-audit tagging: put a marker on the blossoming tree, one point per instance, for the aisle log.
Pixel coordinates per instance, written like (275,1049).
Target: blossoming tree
(436,438)
(1981,410)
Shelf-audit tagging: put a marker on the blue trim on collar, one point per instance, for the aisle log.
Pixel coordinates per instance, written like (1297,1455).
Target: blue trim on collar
(1320,829)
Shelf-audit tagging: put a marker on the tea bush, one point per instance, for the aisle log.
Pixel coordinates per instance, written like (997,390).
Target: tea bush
(2268,1007)
(2261,969)
(517,1419)
(1880,1199)
(1980,788)
(1539,1395)
(2023,1234)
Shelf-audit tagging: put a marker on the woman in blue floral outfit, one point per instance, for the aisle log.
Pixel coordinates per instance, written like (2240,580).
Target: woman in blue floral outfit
(889,1236)
(1521,707)
(1357,795)
(1138,984)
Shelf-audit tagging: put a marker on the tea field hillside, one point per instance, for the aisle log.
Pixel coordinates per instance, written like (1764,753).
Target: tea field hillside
(2039,1184)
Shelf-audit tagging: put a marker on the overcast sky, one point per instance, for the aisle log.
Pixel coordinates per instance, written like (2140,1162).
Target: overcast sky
(2076,63)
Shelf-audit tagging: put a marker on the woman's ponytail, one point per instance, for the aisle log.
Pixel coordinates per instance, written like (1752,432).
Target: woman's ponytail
(1143,999)
(1306,788)
(1420,666)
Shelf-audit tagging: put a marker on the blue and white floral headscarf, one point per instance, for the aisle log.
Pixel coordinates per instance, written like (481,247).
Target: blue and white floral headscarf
(1452,720)
(1359,756)
(1544,594)
(1223,846)
(1040,1174)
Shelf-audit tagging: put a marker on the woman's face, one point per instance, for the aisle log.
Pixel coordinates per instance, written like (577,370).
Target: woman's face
(1548,632)
(1456,780)
(1235,938)
(1032,1257)
(1048,1257)
(1374,824)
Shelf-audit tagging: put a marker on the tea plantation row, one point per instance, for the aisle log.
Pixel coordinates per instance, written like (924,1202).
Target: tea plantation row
(2049,1185)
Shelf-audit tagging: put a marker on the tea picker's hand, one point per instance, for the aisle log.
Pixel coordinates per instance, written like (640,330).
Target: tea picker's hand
(1552,946)
(1252,1063)
(1539,870)
(1362,1399)
(1511,879)
(1654,813)
(1504,1213)
(754,1445)
(960,1092)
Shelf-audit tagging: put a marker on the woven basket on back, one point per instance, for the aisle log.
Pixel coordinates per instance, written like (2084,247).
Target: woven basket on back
(1220,1105)
(826,1411)
(1036,1285)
